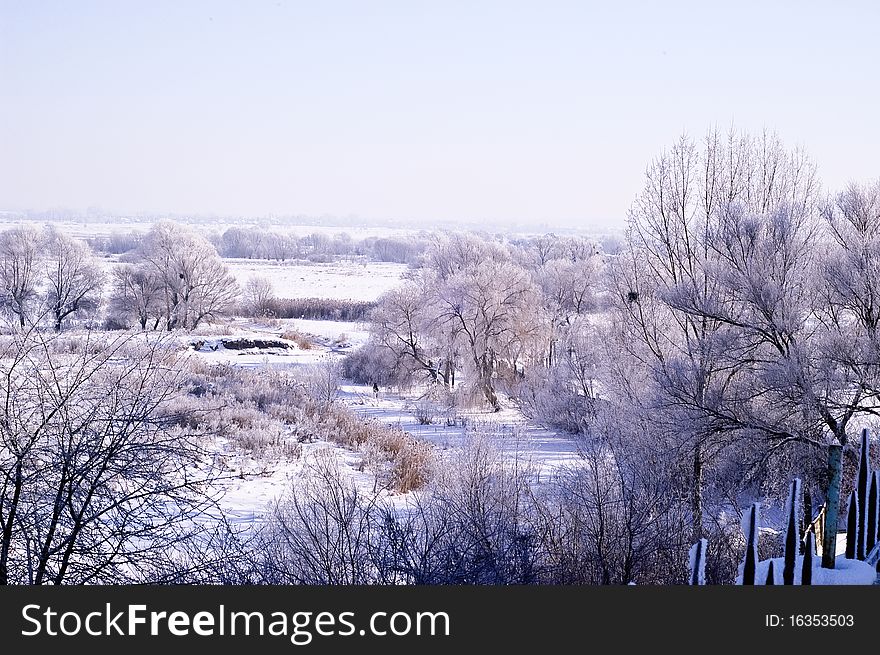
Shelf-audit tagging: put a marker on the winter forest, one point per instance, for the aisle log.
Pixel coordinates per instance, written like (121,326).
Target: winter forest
(695,400)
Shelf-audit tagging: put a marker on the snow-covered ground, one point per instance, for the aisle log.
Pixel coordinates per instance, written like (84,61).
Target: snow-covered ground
(249,487)
(541,450)
(845,572)
(255,485)
(342,280)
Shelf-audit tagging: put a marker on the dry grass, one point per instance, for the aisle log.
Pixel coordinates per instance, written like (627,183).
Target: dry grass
(302,341)
(266,413)
(213,330)
(411,459)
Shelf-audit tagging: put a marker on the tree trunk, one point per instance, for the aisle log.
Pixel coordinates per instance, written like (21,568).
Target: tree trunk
(697,496)
(484,368)
(832,505)
(491,397)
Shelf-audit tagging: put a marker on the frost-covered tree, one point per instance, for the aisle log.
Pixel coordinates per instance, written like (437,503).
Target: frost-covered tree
(22,250)
(242,242)
(137,296)
(74,281)
(402,324)
(752,304)
(96,484)
(570,288)
(494,309)
(458,252)
(259,296)
(196,285)
(566,394)
(668,292)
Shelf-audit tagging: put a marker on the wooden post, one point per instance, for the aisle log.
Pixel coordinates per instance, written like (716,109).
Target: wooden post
(832,505)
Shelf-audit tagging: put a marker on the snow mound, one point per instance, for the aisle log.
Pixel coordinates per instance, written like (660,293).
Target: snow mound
(845,572)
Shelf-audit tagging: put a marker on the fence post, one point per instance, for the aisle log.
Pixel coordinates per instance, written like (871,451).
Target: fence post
(832,506)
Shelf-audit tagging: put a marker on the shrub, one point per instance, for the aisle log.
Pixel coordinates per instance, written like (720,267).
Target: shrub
(268,413)
(302,341)
(323,309)
(371,364)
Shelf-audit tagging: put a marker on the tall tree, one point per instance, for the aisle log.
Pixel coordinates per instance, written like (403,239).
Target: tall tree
(689,357)
(74,280)
(196,285)
(21,251)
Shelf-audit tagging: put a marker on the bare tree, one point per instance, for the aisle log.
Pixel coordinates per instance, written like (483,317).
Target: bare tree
(472,526)
(402,324)
(671,267)
(259,296)
(21,251)
(321,532)
(74,280)
(95,484)
(137,294)
(196,286)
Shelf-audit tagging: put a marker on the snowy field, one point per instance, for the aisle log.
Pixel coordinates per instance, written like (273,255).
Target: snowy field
(342,280)
(537,449)
(251,487)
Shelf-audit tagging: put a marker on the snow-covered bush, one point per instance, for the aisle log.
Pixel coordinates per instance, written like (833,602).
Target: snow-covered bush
(321,381)
(268,414)
(424,410)
(549,397)
(321,532)
(371,364)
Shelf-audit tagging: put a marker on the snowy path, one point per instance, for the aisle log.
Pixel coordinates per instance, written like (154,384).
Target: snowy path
(246,498)
(516,437)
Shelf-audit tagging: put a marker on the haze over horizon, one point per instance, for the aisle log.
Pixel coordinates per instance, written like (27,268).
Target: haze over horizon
(489,111)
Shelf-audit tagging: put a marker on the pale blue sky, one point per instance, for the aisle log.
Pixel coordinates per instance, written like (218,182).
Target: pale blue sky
(545,111)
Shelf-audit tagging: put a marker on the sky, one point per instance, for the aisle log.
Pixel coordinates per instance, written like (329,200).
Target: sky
(542,111)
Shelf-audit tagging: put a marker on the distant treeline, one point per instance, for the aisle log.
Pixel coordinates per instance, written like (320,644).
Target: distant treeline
(259,243)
